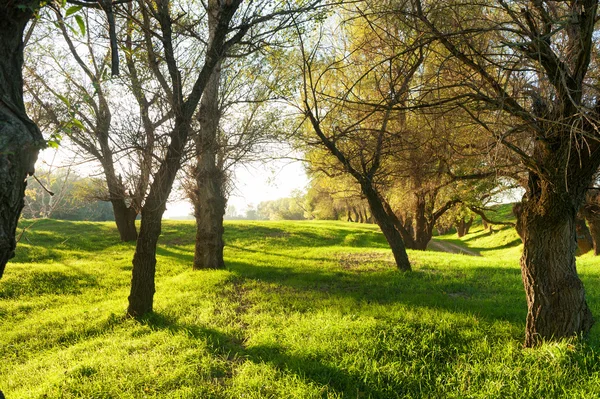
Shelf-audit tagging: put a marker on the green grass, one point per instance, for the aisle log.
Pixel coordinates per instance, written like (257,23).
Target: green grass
(304,310)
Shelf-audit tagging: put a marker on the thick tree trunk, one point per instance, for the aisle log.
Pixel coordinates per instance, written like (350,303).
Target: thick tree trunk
(209,196)
(209,230)
(387,226)
(555,295)
(20,139)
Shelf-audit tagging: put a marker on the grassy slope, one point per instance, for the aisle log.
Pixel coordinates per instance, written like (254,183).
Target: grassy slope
(305,310)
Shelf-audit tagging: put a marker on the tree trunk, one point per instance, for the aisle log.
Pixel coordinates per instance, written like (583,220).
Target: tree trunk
(591,212)
(209,230)
(20,139)
(422,230)
(209,204)
(555,295)
(387,226)
(463,226)
(141,296)
(584,238)
(594,223)
(125,219)
(356,218)
(209,196)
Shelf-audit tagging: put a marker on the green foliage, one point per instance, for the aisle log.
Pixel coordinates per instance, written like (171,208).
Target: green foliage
(281,209)
(304,310)
(74,197)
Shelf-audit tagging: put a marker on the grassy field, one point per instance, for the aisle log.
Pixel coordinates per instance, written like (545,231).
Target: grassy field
(304,310)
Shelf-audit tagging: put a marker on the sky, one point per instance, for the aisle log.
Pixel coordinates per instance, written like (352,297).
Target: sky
(253,183)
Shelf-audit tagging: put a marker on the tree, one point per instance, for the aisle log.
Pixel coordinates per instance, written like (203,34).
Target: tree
(82,101)
(20,139)
(183,109)
(236,120)
(528,78)
(359,96)
(184,93)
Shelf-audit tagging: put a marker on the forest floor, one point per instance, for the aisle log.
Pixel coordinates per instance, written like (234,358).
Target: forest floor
(303,310)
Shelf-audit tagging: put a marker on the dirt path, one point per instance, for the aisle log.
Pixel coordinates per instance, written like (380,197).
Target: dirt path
(445,246)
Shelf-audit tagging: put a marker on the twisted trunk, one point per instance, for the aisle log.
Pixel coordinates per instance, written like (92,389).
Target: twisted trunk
(555,295)
(20,139)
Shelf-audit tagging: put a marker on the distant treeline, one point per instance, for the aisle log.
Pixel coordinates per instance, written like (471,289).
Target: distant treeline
(62,194)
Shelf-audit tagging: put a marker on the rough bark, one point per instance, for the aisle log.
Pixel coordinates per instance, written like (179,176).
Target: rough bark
(141,297)
(555,295)
(20,139)
(209,192)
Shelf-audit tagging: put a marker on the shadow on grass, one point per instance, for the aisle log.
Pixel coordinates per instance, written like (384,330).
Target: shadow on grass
(512,243)
(57,240)
(320,237)
(490,293)
(323,371)
(276,254)
(35,283)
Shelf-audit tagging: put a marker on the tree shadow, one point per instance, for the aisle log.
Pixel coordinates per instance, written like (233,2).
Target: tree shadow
(322,237)
(490,293)
(317,369)
(41,282)
(57,240)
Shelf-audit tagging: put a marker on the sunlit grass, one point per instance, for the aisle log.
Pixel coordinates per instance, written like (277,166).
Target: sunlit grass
(304,310)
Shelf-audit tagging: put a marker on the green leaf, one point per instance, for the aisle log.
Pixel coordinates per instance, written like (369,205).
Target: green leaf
(81,24)
(64,100)
(72,10)
(78,123)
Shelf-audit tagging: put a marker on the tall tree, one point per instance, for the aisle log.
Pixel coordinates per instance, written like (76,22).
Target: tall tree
(528,72)
(80,99)
(233,21)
